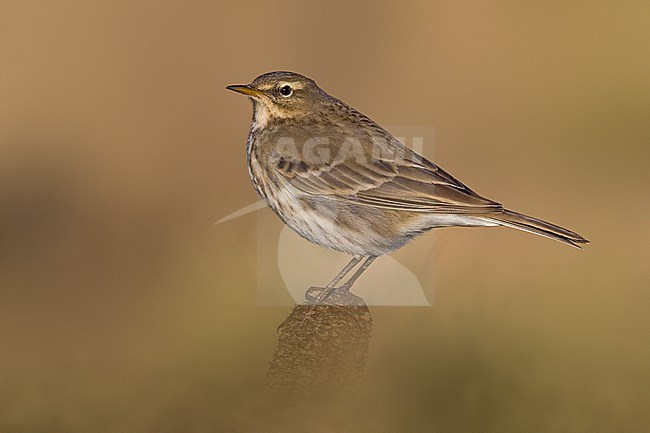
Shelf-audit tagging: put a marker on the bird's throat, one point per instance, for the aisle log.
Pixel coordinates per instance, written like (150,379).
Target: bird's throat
(265,112)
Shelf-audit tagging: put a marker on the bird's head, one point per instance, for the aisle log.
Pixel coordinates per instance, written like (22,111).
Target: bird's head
(281,95)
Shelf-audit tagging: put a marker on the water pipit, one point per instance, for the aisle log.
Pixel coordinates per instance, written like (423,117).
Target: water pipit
(341,181)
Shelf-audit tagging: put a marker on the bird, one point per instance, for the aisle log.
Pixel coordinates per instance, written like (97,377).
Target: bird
(342,181)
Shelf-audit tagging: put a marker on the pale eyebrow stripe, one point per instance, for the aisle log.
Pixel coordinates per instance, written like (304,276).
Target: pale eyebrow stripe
(284,83)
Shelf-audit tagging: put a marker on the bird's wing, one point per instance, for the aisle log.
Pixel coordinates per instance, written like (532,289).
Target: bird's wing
(409,183)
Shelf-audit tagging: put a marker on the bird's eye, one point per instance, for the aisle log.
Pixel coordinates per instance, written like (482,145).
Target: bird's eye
(286,91)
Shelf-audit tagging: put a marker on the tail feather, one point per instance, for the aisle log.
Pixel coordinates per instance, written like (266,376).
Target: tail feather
(533,225)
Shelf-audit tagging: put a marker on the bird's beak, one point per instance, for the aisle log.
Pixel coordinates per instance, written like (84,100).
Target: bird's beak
(244,89)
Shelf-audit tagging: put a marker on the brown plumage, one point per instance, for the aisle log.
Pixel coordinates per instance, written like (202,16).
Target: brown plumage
(342,181)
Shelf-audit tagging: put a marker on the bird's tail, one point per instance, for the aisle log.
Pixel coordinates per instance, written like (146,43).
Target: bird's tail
(533,225)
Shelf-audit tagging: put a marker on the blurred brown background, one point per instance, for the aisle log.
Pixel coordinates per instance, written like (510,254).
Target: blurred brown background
(123,308)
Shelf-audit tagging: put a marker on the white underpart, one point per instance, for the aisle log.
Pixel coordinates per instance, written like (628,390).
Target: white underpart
(442,220)
(317,225)
(261,116)
(265,109)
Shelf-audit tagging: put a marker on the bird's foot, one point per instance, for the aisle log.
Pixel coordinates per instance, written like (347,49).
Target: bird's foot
(332,296)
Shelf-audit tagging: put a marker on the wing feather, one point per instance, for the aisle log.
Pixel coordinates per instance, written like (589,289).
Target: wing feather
(399,179)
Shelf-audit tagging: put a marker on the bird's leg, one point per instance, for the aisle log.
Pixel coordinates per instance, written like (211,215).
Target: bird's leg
(344,271)
(348,284)
(327,290)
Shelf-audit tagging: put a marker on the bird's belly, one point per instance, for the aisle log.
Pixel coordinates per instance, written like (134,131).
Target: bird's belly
(329,223)
(348,227)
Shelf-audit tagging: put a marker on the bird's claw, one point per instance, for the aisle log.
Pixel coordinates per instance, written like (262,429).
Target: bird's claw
(332,296)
